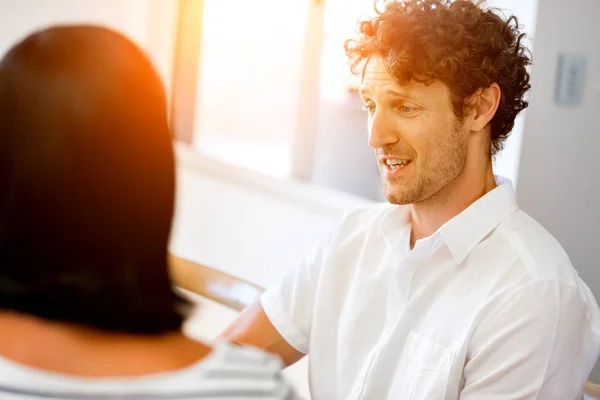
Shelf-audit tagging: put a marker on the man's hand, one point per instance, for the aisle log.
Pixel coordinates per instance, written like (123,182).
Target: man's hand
(253,328)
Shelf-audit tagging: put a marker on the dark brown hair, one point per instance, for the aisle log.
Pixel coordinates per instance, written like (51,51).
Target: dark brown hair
(460,43)
(87,172)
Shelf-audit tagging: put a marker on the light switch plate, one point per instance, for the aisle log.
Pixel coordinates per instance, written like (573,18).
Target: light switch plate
(570,79)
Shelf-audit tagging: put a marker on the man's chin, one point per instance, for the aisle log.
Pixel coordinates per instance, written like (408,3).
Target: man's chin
(399,199)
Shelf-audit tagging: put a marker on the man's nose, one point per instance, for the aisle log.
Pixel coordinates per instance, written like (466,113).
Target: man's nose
(381,131)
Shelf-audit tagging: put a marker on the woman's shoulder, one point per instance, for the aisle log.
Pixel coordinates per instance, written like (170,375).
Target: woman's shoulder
(245,355)
(246,372)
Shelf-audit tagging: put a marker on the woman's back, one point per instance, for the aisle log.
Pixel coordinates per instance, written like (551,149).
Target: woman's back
(227,372)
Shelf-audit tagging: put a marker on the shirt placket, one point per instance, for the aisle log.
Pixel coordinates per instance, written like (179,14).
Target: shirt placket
(400,282)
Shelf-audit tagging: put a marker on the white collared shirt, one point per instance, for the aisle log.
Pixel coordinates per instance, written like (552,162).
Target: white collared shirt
(487,308)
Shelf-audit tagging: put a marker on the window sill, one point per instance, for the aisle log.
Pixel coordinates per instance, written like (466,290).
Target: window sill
(311,197)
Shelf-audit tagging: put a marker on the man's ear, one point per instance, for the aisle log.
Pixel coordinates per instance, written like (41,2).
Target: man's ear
(485,105)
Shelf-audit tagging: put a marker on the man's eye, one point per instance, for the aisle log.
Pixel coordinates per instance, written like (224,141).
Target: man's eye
(370,108)
(407,109)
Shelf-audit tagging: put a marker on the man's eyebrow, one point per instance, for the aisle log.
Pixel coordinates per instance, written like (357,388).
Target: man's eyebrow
(365,91)
(393,92)
(400,93)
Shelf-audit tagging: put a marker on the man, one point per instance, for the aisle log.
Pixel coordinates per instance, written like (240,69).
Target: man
(451,291)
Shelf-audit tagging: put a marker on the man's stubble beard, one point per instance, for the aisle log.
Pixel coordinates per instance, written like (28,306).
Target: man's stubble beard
(444,167)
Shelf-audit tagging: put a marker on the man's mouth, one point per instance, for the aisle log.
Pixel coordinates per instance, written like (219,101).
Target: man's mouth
(395,164)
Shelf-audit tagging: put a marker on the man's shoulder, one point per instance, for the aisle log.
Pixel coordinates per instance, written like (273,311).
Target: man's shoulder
(535,249)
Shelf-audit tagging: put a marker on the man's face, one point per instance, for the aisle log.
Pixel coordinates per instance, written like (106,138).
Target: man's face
(420,146)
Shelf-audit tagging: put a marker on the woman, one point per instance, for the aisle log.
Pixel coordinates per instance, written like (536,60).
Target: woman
(87,172)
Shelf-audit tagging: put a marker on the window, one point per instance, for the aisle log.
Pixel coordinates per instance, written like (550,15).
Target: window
(341,19)
(256,87)
(248,85)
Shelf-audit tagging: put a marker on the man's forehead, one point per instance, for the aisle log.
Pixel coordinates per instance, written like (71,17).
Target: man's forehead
(375,67)
(377,78)
(375,75)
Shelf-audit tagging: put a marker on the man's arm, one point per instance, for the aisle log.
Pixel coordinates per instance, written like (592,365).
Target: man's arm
(281,321)
(254,328)
(537,344)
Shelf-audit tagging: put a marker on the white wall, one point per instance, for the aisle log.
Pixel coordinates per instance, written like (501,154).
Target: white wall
(559,179)
(151,23)
(507,162)
(343,159)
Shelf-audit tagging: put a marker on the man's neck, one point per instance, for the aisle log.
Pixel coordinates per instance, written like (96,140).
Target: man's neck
(428,216)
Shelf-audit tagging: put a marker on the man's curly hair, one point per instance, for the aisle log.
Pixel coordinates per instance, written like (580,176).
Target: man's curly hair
(460,43)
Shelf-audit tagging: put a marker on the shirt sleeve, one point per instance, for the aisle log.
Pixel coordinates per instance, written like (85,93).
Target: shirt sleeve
(537,344)
(289,304)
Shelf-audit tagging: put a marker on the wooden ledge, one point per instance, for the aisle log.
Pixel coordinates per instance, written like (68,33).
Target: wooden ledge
(213,284)
(592,391)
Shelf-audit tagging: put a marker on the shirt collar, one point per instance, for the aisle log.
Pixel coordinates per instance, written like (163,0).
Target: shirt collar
(465,231)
